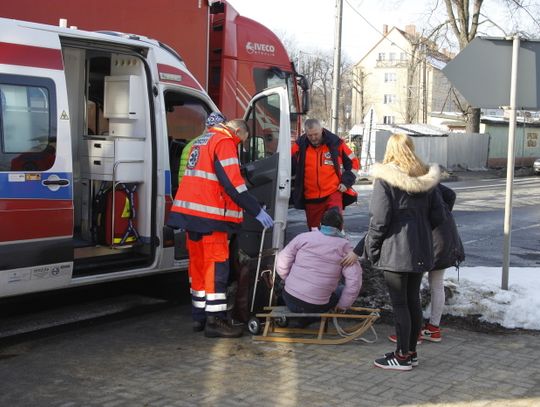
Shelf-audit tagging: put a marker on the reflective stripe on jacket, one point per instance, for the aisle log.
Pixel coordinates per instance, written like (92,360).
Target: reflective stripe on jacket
(200,193)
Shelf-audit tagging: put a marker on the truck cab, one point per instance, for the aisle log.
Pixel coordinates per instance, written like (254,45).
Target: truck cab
(92,126)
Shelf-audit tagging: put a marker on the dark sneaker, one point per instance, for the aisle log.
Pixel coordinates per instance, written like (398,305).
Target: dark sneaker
(220,328)
(413,355)
(431,333)
(198,326)
(393,361)
(414,359)
(393,338)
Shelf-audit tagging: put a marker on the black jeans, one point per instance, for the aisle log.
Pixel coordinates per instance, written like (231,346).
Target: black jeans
(296,305)
(404,290)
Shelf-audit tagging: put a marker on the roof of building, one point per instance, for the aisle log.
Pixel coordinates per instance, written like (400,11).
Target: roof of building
(412,129)
(503,121)
(435,58)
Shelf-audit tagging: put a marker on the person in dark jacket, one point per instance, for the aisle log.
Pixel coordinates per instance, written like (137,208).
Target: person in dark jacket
(447,251)
(403,211)
(325,171)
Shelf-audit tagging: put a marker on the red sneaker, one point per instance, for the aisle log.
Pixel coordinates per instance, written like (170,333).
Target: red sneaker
(393,338)
(431,333)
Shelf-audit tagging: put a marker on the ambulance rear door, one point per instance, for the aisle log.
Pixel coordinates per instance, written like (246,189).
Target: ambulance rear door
(36,205)
(266,164)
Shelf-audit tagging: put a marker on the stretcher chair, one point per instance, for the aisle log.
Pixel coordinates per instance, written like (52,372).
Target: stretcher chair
(359,320)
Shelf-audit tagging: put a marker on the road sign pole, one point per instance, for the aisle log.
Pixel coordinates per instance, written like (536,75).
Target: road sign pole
(510,163)
(337,67)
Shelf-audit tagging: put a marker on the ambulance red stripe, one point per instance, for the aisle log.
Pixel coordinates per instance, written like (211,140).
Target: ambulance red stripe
(34,219)
(28,55)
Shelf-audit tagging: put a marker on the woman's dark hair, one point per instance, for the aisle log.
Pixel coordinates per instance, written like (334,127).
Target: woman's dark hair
(332,217)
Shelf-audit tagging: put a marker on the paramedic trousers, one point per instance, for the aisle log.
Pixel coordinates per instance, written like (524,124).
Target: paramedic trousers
(208,274)
(316,210)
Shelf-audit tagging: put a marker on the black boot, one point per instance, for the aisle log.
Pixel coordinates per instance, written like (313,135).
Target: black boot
(198,325)
(221,328)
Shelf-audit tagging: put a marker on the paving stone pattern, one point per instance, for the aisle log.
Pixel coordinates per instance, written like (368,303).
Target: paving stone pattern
(155,360)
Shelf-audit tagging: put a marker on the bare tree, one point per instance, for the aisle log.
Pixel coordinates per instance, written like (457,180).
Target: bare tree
(464,21)
(358,80)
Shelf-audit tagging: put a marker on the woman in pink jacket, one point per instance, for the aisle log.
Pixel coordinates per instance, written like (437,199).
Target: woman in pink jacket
(310,267)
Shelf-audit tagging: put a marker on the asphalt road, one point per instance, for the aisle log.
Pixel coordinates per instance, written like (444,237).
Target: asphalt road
(479,214)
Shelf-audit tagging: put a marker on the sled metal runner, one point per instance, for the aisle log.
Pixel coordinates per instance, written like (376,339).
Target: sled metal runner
(362,319)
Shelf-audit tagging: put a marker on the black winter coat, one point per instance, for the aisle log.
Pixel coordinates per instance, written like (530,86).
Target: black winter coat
(403,212)
(447,246)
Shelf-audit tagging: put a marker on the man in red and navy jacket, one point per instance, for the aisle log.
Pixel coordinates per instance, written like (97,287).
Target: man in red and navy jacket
(325,171)
(208,205)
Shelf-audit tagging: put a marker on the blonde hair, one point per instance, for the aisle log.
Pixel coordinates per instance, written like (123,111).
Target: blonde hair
(400,151)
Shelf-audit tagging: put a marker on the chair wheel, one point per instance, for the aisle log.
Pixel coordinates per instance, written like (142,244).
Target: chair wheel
(282,322)
(254,326)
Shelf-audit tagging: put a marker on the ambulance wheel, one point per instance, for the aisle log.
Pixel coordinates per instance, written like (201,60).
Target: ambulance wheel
(282,322)
(254,326)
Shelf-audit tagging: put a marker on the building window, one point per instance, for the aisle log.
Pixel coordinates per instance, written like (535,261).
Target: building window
(389,119)
(532,140)
(403,56)
(389,77)
(381,57)
(392,56)
(388,99)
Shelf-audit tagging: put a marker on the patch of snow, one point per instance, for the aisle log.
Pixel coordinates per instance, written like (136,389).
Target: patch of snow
(479,292)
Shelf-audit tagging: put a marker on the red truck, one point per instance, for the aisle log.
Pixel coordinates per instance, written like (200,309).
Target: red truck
(233,57)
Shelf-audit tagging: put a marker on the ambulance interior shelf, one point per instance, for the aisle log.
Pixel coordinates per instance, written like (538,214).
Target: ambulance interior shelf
(114,161)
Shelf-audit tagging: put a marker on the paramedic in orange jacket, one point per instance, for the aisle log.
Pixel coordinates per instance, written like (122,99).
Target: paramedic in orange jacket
(325,170)
(208,205)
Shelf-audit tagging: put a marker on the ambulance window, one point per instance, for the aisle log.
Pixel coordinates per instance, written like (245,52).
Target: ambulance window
(185,116)
(263,122)
(27,132)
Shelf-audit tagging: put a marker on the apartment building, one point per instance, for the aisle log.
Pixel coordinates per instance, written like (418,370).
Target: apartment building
(401,78)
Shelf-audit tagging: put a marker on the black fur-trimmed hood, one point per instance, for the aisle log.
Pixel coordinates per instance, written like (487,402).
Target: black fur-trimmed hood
(394,176)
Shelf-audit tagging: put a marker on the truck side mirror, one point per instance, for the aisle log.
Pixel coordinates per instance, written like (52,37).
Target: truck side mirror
(303,83)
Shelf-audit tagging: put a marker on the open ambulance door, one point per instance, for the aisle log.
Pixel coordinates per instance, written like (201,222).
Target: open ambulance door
(266,164)
(36,191)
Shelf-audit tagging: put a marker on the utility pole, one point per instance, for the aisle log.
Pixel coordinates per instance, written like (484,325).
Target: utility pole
(424,85)
(337,66)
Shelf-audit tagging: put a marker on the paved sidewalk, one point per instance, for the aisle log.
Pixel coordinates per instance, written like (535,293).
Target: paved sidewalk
(155,360)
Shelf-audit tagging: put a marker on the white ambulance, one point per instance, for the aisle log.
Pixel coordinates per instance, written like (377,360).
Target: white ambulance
(91,130)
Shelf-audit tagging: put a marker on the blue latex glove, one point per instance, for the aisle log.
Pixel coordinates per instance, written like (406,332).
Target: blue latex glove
(265,219)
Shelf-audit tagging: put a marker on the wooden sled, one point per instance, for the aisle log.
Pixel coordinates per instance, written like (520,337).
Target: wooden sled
(275,329)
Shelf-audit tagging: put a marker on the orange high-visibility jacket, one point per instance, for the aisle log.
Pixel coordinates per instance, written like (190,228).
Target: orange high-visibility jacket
(320,170)
(201,194)
(323,179)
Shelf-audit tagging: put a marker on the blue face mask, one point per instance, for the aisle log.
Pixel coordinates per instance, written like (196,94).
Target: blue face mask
(331,231)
